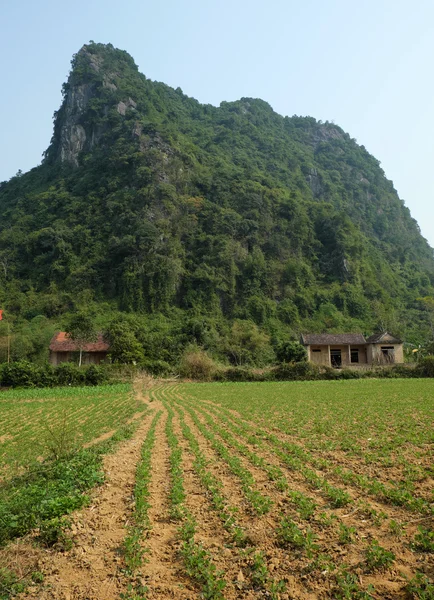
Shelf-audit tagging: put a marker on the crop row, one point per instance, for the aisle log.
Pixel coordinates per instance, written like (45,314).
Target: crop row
(133,545)
(305,505)
(197,560)
(259,574)
(294,456)
(288,532)
(73,420)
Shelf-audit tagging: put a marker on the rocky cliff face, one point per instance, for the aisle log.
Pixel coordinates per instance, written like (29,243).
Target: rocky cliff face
(88,82)
(72,134)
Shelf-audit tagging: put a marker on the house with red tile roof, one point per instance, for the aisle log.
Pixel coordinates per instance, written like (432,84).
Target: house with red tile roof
(63,349)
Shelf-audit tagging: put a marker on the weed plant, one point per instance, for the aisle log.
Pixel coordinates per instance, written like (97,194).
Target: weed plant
(52,489)
(424,540)
(289,534)
(378,558)
(261,579)
(420,587)
(347,588)
(346,534)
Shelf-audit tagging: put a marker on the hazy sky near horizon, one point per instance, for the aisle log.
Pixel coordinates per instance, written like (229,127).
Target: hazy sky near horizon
(367,66)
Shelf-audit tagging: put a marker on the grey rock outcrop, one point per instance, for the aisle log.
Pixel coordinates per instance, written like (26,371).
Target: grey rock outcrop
(122,107)
(72,134)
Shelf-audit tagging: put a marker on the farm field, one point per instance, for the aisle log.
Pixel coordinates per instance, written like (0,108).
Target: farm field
(296,490)
(35,423)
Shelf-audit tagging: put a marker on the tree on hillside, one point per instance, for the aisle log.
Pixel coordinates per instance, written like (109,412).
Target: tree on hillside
(124,346)
(290,351)
(246,344)
(80,329)
(428,304)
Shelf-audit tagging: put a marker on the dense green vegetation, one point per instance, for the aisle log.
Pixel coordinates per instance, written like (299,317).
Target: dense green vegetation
(220,226)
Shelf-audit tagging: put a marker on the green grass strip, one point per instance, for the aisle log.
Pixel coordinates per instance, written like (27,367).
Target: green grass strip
(53,488)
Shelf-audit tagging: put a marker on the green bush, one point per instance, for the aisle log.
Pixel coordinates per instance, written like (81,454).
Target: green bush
(52,533)
(158,368)
(20,374)
(196,363)
(291,352)
(425,367)
(300,371)
(329,373)
(70,374)
(349,374)
(25,374)
(96,375)
(239,374)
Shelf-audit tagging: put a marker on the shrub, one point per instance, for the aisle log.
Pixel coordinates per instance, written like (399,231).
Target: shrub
(52,533)
(96,375)
(21,373)
(329,373)
(158,368)
(47,376)
(349,374)
(196,363)
(238,374)
(26,374)
(290,352)
(124,346)
(70,374)
(247,345)
(300,371)
(425,367)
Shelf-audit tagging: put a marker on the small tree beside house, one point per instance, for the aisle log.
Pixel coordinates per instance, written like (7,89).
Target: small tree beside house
(80,329)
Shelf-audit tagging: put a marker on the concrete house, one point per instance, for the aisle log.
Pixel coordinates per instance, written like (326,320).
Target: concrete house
(62,349)
(352,349)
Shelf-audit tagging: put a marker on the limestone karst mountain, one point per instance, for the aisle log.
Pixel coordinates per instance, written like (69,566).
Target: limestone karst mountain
(150,200)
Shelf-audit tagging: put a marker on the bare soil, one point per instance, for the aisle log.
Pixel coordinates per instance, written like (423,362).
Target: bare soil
(164,575)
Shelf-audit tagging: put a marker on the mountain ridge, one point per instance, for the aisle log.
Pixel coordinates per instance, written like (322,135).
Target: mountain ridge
(150,200)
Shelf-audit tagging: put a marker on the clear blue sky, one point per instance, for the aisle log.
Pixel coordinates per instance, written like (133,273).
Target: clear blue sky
(367,66)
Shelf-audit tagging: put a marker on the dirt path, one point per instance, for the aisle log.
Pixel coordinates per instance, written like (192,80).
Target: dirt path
(91,570)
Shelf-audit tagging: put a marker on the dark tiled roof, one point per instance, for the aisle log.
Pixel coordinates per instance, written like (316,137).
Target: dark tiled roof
(385,337)
(332,339)
(61,343)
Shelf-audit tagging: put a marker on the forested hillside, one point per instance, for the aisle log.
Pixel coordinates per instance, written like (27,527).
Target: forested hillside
(203,221)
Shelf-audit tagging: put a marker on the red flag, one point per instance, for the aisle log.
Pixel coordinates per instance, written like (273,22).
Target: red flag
(1,315)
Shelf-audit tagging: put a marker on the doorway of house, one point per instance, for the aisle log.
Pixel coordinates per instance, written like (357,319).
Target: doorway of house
(336,358)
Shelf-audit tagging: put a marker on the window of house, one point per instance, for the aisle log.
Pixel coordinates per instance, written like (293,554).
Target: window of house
(388,353)
(355,356)
(388,350)
(316,349)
